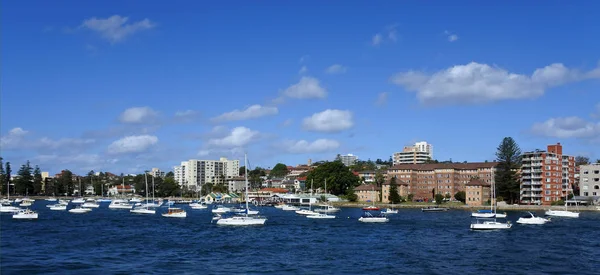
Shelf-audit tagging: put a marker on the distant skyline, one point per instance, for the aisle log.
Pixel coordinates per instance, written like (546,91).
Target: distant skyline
(122,87)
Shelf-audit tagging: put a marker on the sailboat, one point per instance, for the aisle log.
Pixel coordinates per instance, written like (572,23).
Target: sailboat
(372,207)
(309,210)
(490,223)
(120,203)
(563,213)
(142,209)
(328,207)
(245,219)
(198,204)
(80,199)
(5,207)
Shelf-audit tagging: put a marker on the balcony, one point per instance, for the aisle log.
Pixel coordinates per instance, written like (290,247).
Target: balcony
(536,195)
(536,189)
(526,177)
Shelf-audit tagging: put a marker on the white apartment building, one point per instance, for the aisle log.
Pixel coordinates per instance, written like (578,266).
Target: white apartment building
(589,180)
(155,172)
(348,159)
(420,152)
(195,173)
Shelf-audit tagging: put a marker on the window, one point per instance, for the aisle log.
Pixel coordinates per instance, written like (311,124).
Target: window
(596,171)
(596,187)
(547,192)
(548,186)
(594,194)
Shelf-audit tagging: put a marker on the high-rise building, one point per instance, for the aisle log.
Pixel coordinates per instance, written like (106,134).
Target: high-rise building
(546,176)
(348,159)
(589,180)
(195,173)
(426,180)
(155,172)
(420,152)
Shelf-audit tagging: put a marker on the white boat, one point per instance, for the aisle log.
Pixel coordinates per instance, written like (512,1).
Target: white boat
(90,204)
(9,209)
(290,208)
(485,213)
(246,219)
(25,204)
(58,207)
(135,200)
(51,199)
(25,214)
(175,213)
(328,209)
(389,211)
(368,217)
(196,205)
(80,210)
(63,202)
(280,205)
(18,200)
(434,209)
(104,200)
(562,213)
(146,209)
(120,204)
(320,216)
(489,224)
(532,219)
(220,209)
(78,201)
(306,212)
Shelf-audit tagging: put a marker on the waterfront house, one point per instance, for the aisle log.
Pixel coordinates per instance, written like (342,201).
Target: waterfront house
(367,192)
(477,192)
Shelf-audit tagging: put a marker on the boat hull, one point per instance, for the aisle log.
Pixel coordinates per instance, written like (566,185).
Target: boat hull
(26,216)
(143,211)
(490,226)
(80,210)
(306,212)
(58,208)
(176,215)
(373,219)
(532,220)
(322,216)
(241,221)
(562,213)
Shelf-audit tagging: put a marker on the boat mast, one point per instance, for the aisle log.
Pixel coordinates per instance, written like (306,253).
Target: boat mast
(246,180)
(146,179)
(152,188)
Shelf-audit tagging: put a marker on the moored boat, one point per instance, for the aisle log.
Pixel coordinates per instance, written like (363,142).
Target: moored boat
(175,213)
(529,218)
(368,217)
(434,209)
(25,214)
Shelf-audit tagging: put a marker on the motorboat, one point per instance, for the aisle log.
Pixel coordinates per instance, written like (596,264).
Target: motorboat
(434,209)
(90,204)
(143,210)
(328,209)
(220,209)
(489,224)
(135,200)
(371,208)
(80,210)
(562,213)
(120,204)
(290,208)
(58,207)
(9,209)
(529,218)
(197,205)
(63,202)
(389,211)
(320,216)
(51,199)
(103,200)
(306,212)
(175,213)
(25,214)
(78,201)
(368,217)
(25,203)
(280,205)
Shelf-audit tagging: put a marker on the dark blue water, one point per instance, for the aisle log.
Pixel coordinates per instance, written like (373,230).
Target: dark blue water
(117,242)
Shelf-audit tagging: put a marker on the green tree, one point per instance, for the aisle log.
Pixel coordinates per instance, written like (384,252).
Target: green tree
(170,174)
(350,195)
(339,178)
(447,196)
(279,171)
(24,181)
(581,160)
(207,189)
(37,180)
(394,196)
(254,177)
(168,187)
(379,178)
(508,156)
(7,179)
(439,198)
(460,196)
(2,176)
(242,170)
(65,183)
(410,197)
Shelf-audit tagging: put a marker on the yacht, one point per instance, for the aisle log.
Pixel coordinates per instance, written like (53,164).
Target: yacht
(197,205)
(58,207)
(25,214)
(435,209)
(220,209)
(489,224)
(487,213)
(288,207)
(78,201)
(90,204)
(143,210)
(306,212)
(529,218)
(389,211)
(9,209)
(368,217)
(80,210)
(175,213)
(320,216)
(120,204)
(562,213)
(328,209)
(51,199)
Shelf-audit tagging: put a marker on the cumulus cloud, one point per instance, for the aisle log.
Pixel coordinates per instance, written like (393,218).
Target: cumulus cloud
(567,127)
(336,69)
(115,28)
(254,111)
(307,87)
(238,137)
(382,99)
(306,147)
(475,83)
(330,120)
(186,116)
(137,115)
(16,139)
(303,70)
(83,162)
(389,32)
(451,36)
(132,144)
(596,113)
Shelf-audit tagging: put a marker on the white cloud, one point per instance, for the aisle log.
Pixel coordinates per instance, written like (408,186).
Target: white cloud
(567,127)
(304,58)
(303,70)
(287,122)
(254,111)
(132,144)
(336,69)
(83,162)
(393,35)
(138,115)
(16,139)
(330,120)
(186,116)
(481,83)
(596,113)
(305,147)
(451,36)
(115,28)
(376,40)
(238,137)
(307,87)
(382,99)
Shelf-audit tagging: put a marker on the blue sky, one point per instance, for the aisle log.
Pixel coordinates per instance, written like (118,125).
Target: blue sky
(124,86)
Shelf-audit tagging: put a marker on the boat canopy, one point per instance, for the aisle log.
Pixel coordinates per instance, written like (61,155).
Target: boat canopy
(484,211)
